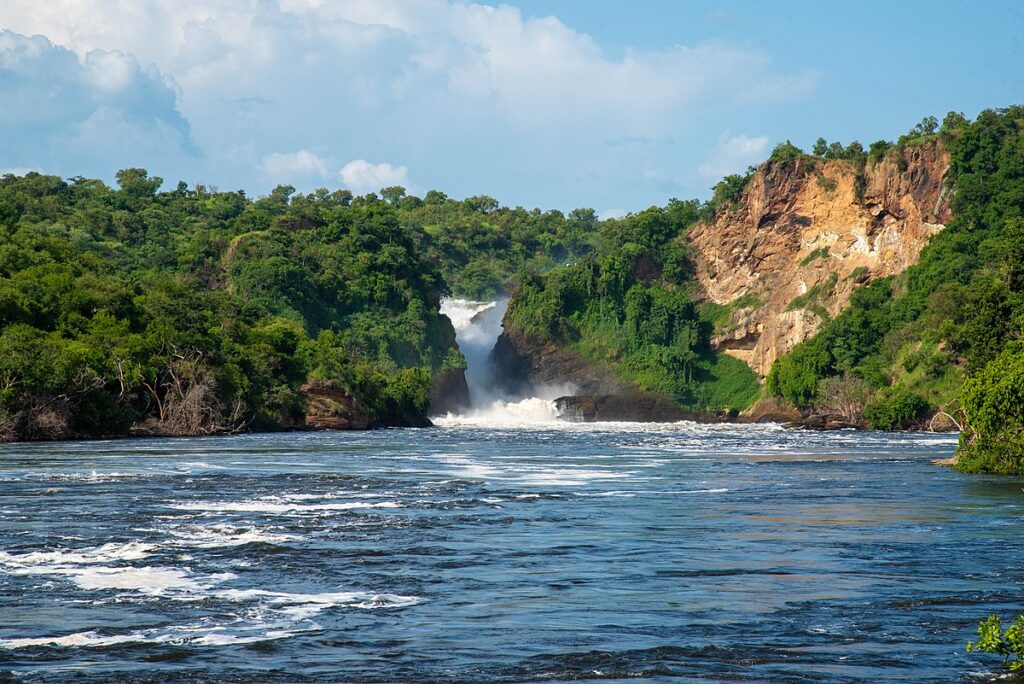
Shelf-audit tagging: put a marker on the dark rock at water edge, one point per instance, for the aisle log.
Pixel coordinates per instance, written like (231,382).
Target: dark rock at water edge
(631,408)
(522,362)
(449,392)
(329,407)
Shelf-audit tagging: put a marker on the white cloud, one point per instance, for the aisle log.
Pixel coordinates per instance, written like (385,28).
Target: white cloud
(290,167)
(474,97)
(535,72)
(360,176)
(66,113)
(16,171)
(612,214)
(732,155)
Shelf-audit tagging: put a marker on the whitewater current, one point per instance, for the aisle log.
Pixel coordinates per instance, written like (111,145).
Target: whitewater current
(503,552)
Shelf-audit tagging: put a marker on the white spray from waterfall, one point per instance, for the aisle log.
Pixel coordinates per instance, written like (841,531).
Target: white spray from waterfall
(477,328)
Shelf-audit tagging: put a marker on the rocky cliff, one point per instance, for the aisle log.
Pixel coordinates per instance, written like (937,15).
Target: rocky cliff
(804,233)
(524,365)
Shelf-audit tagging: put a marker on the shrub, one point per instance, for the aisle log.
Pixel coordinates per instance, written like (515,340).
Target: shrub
(820,253)
(899,410)
(786,152)
(827,184)
(1009,643)
(844,396)
(993,403)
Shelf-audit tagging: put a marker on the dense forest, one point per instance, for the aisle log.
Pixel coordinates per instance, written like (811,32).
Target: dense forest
(193,311)
(629,305)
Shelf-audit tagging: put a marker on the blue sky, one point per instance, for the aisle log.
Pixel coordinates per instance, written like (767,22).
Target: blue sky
(610,105)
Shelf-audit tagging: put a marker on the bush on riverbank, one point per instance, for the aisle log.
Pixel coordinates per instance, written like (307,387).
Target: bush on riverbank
(1008,643)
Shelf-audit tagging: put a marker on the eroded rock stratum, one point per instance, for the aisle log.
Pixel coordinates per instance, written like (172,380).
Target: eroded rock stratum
(805,233)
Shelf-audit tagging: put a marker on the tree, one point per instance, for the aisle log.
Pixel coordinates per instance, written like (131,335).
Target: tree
(137,183)
(853,150)
(786,152)
(435,197)
(820,146)
(481,203)
(953,121)
(393,194)
(927,126)
(835,151)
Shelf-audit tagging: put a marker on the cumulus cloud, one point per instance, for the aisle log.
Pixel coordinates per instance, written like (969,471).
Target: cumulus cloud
(733,154)
(474,97)
(61,109)
(291,166)
(360,176)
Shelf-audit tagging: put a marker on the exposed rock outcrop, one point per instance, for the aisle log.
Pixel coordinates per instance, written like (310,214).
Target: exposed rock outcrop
(449,392)
(523,363)
(635,408)
(329,407)
(805,233)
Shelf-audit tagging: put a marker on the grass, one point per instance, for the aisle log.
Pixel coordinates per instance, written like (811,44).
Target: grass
(857,273)
(820,253)
(813,299)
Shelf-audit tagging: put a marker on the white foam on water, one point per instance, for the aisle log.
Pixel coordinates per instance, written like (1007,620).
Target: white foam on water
(305,605)
(525,413)
(106,553)
(225,535)
(277,505)
(148,580)
(91,476)
(276,615)
(79,639)
(152,580)
(182,635)
(91,569)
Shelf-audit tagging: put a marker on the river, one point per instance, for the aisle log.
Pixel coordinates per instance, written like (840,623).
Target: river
(503,551)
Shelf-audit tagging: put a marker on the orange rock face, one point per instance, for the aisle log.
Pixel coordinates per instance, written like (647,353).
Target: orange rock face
(804,234)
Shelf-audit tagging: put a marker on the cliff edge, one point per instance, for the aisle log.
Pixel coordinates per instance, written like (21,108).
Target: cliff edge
(804,233)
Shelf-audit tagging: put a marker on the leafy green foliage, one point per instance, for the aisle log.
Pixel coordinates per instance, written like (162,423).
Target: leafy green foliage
(963,302)
(894,410)
(786,152)
(993,402)
(727,193)
(480,247)
(819,253)
(206,311)
(1008,643)
(624,306)
(813,299)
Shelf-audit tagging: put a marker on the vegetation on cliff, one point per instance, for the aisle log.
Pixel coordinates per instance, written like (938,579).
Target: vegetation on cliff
(958,313)
(193,311)
(627,306)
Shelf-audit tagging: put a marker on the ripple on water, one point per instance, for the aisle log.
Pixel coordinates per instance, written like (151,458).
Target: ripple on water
(476,553)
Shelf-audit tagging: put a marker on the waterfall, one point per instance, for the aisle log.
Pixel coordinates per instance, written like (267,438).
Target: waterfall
(477,328)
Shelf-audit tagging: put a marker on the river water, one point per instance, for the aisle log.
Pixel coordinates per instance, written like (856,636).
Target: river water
(478,551)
